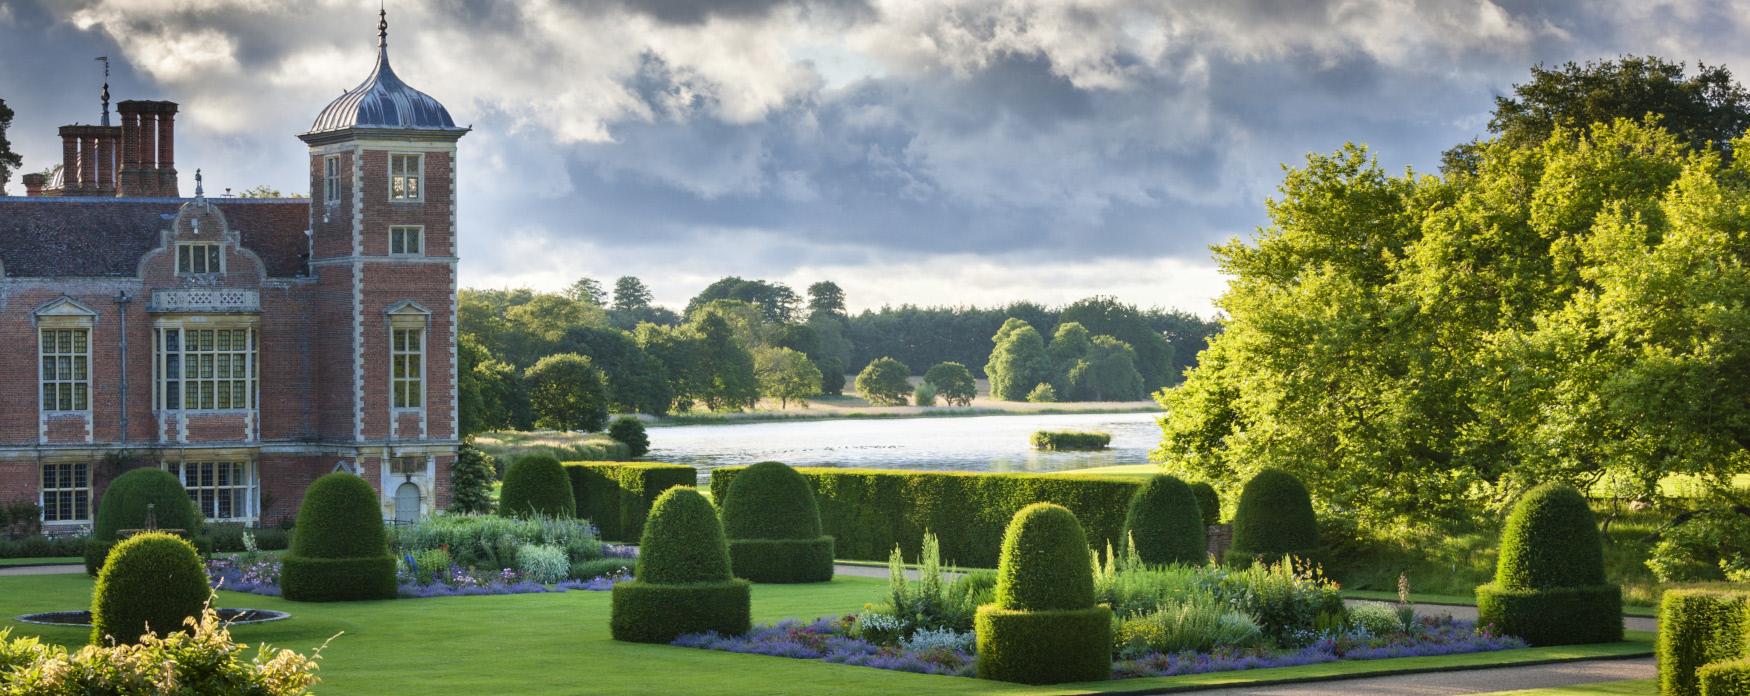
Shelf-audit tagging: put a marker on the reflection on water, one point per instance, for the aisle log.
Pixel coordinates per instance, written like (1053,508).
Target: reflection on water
(983,443)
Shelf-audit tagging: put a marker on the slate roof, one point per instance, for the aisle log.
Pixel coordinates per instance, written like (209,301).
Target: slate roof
(89,237)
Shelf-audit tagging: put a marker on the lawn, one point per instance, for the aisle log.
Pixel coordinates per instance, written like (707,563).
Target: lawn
(558,643)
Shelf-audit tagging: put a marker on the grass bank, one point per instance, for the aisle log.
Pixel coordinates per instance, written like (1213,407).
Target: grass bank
(558,643)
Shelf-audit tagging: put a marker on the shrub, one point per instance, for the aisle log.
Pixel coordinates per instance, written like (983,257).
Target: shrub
(124,506)
(1698,627)
(429,565)
(1070,440)
(924,395)
(683,582)
(932,601)
(1549,584)
(589,570)
(1043,626)
(869,511)
(953,382)
(1274,519)
(616,496)
(1208,503)
(536,484)
(151,582)
(1378,618)
(228,538)
(630,431)
(1043,394)
(1164,523)
(1729,678)
(1284,599)
(1197,625)
(492,542)
(20,518)
(884,382)
(39,546)
(204,661)
(567,392)
(339,550)
(542,563)
(773,527)
(1701,547)
(471,480)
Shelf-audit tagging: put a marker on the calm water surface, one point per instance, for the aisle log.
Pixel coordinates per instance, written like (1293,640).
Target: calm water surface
(983,443)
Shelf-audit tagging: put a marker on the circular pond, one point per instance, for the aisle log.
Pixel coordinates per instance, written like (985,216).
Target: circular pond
(234,617)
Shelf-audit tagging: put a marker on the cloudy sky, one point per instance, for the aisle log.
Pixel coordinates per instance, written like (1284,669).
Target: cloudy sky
(925,151)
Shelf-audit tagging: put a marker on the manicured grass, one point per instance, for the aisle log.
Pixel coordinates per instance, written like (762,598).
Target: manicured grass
(558,643)
(1627,687)
(55,560)
(1465,600)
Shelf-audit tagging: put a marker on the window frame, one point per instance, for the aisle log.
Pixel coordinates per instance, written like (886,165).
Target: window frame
(401,353)
(78,386)
(214,258)
(44,492)
(163,366)
(418,236)
(249,486)
(417,176)
(331,180)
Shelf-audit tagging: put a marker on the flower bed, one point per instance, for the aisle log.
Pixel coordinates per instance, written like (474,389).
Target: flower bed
(261,576)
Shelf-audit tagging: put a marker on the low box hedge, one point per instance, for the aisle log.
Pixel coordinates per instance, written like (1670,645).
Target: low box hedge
(654,613)
(868,511)
(1070,440)
(616,496)
(1696,628)
(782,560)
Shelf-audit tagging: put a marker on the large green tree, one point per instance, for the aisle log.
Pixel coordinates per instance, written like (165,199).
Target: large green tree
(786,375)
(1018,363)
(1107,373)
(826,298)
(567,393)
(725,367)
(1411,346)
(9,160)
(776,300)
(636,380)
(1106,316)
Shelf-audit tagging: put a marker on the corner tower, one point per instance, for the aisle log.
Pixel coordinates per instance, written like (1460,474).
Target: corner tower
(383,250)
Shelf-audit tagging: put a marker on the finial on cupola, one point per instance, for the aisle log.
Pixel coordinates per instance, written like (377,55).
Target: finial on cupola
(199,192)
(382,27)
(105,60)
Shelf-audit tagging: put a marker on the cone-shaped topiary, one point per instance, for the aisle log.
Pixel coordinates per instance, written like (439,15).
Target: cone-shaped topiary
(773,527)
(1165,523)
(1208,503)
(1274,519)
(536,484)
(124,506)
(1697,628)
(683,583)
(151,582)
(1549,586)
(1044,627)
(339,551)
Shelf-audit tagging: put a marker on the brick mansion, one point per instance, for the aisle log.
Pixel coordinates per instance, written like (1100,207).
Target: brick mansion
(247,345)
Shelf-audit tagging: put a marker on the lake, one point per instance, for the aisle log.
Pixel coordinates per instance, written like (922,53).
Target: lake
(973,443)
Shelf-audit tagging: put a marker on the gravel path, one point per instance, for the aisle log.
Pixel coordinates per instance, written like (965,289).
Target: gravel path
(1476,681)
(42,570)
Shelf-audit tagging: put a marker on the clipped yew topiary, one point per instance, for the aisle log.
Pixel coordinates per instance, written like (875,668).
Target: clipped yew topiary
(1208,503)
(1274,519)
(1549,586)
(1044,627)
(773,526)
(150,584)
(682,583)
(1696,628)
(1165,523)
(1727,678)
(339,550)
(124,506)
(536,484)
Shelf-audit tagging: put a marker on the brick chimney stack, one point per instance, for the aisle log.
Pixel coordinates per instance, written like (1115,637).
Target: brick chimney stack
(33,184)
(148,148)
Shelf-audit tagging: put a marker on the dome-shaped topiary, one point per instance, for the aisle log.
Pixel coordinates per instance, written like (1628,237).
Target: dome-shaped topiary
(1165,523)
(1274,518)
(151,582)
(1043,627)
(773,525)
(125,504)
(536,484)
(1549,586)
(339,550)
(1208,503)
(682,583)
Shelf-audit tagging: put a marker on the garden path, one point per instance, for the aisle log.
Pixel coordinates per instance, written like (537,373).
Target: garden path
(1475,681)
(42,570)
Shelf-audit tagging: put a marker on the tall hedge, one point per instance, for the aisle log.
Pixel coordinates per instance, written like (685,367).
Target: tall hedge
(124,506)
(1274,518)
(683,582)
(616,496)
(1698,627)
(773,527)
(1165,523)
(150,583)
(339,549)
(1043,627)
(536,484)
(869,511)
(1726,678)
(1549,586)
(1208,502)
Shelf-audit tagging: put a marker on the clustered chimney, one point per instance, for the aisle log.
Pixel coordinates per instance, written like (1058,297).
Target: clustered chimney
(134,159)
